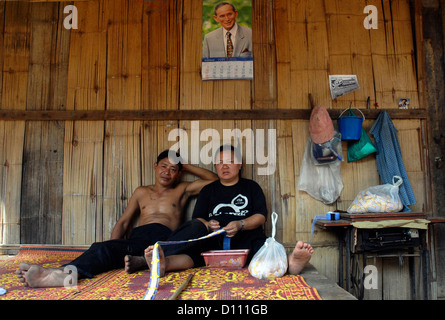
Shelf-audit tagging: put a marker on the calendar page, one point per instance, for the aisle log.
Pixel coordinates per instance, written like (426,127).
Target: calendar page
(227,68)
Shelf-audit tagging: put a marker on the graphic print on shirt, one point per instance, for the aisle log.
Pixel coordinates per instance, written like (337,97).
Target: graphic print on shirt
(233,208)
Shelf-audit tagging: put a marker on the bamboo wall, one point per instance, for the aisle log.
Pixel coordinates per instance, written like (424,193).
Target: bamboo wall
(69,181)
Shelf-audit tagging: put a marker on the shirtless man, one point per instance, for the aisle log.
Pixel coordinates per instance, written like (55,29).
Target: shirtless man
(160,209)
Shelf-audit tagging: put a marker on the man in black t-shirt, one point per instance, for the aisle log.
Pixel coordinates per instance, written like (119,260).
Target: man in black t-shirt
(238,206)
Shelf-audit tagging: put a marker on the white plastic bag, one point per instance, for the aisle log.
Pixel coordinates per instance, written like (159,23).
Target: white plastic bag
(271,260)
(383,198)
(323,182)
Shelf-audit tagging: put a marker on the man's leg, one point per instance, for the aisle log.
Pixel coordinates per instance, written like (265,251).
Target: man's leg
(171,263)
(109,255)
(189,230)
(100,257)
(192,229)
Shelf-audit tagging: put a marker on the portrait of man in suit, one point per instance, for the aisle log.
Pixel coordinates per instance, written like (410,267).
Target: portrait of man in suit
(230,39)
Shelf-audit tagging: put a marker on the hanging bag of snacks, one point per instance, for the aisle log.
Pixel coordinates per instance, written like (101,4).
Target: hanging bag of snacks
(271,260)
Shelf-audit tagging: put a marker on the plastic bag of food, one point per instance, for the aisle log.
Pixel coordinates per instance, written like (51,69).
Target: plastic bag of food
(383,198)
(271,260)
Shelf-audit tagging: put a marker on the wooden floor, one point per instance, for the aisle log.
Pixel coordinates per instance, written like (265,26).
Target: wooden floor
(327,288)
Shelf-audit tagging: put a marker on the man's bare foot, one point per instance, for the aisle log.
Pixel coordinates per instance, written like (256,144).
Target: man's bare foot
(135,263)
(35,276)
(300,257)
(148,254)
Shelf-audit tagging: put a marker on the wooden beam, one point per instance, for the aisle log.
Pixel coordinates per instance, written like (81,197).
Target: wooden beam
(153,115)
(54,0)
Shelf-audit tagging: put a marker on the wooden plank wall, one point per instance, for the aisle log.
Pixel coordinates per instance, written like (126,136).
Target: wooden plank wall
(434,48)
(69,181)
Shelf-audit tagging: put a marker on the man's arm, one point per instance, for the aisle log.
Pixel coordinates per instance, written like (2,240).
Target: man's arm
(124,221)
(233,227)
(206,177)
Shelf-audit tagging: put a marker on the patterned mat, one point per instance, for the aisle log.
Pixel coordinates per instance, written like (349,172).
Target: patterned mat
(206,284)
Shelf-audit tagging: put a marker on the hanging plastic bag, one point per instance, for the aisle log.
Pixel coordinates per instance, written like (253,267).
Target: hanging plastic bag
(271,260)
(323,182)
(328,152)
(362,148)
(378,199)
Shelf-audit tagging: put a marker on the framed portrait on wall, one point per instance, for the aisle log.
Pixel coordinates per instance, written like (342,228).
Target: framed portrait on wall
(227,40)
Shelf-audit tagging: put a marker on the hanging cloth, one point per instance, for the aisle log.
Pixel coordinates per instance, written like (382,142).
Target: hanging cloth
(389,157)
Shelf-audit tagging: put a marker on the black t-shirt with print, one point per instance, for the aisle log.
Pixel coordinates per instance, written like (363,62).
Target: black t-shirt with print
(230,203)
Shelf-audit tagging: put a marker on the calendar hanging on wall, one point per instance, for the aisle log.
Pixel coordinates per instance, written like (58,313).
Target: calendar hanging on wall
(227,40)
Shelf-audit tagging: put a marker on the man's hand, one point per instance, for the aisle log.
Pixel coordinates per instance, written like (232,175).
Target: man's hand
(232,228)
(214,225)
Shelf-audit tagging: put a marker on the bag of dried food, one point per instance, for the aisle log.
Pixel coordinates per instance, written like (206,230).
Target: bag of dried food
(378,199)
(271,260)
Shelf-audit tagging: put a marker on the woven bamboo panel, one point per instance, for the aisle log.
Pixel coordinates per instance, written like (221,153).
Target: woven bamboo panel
(15,68)
(84,141)
(11,142)
(42,175)
(161,54)
(82,182)
(302,53)
(121,161)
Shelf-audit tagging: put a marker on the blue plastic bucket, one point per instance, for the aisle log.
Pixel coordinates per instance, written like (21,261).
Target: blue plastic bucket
(350,127)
